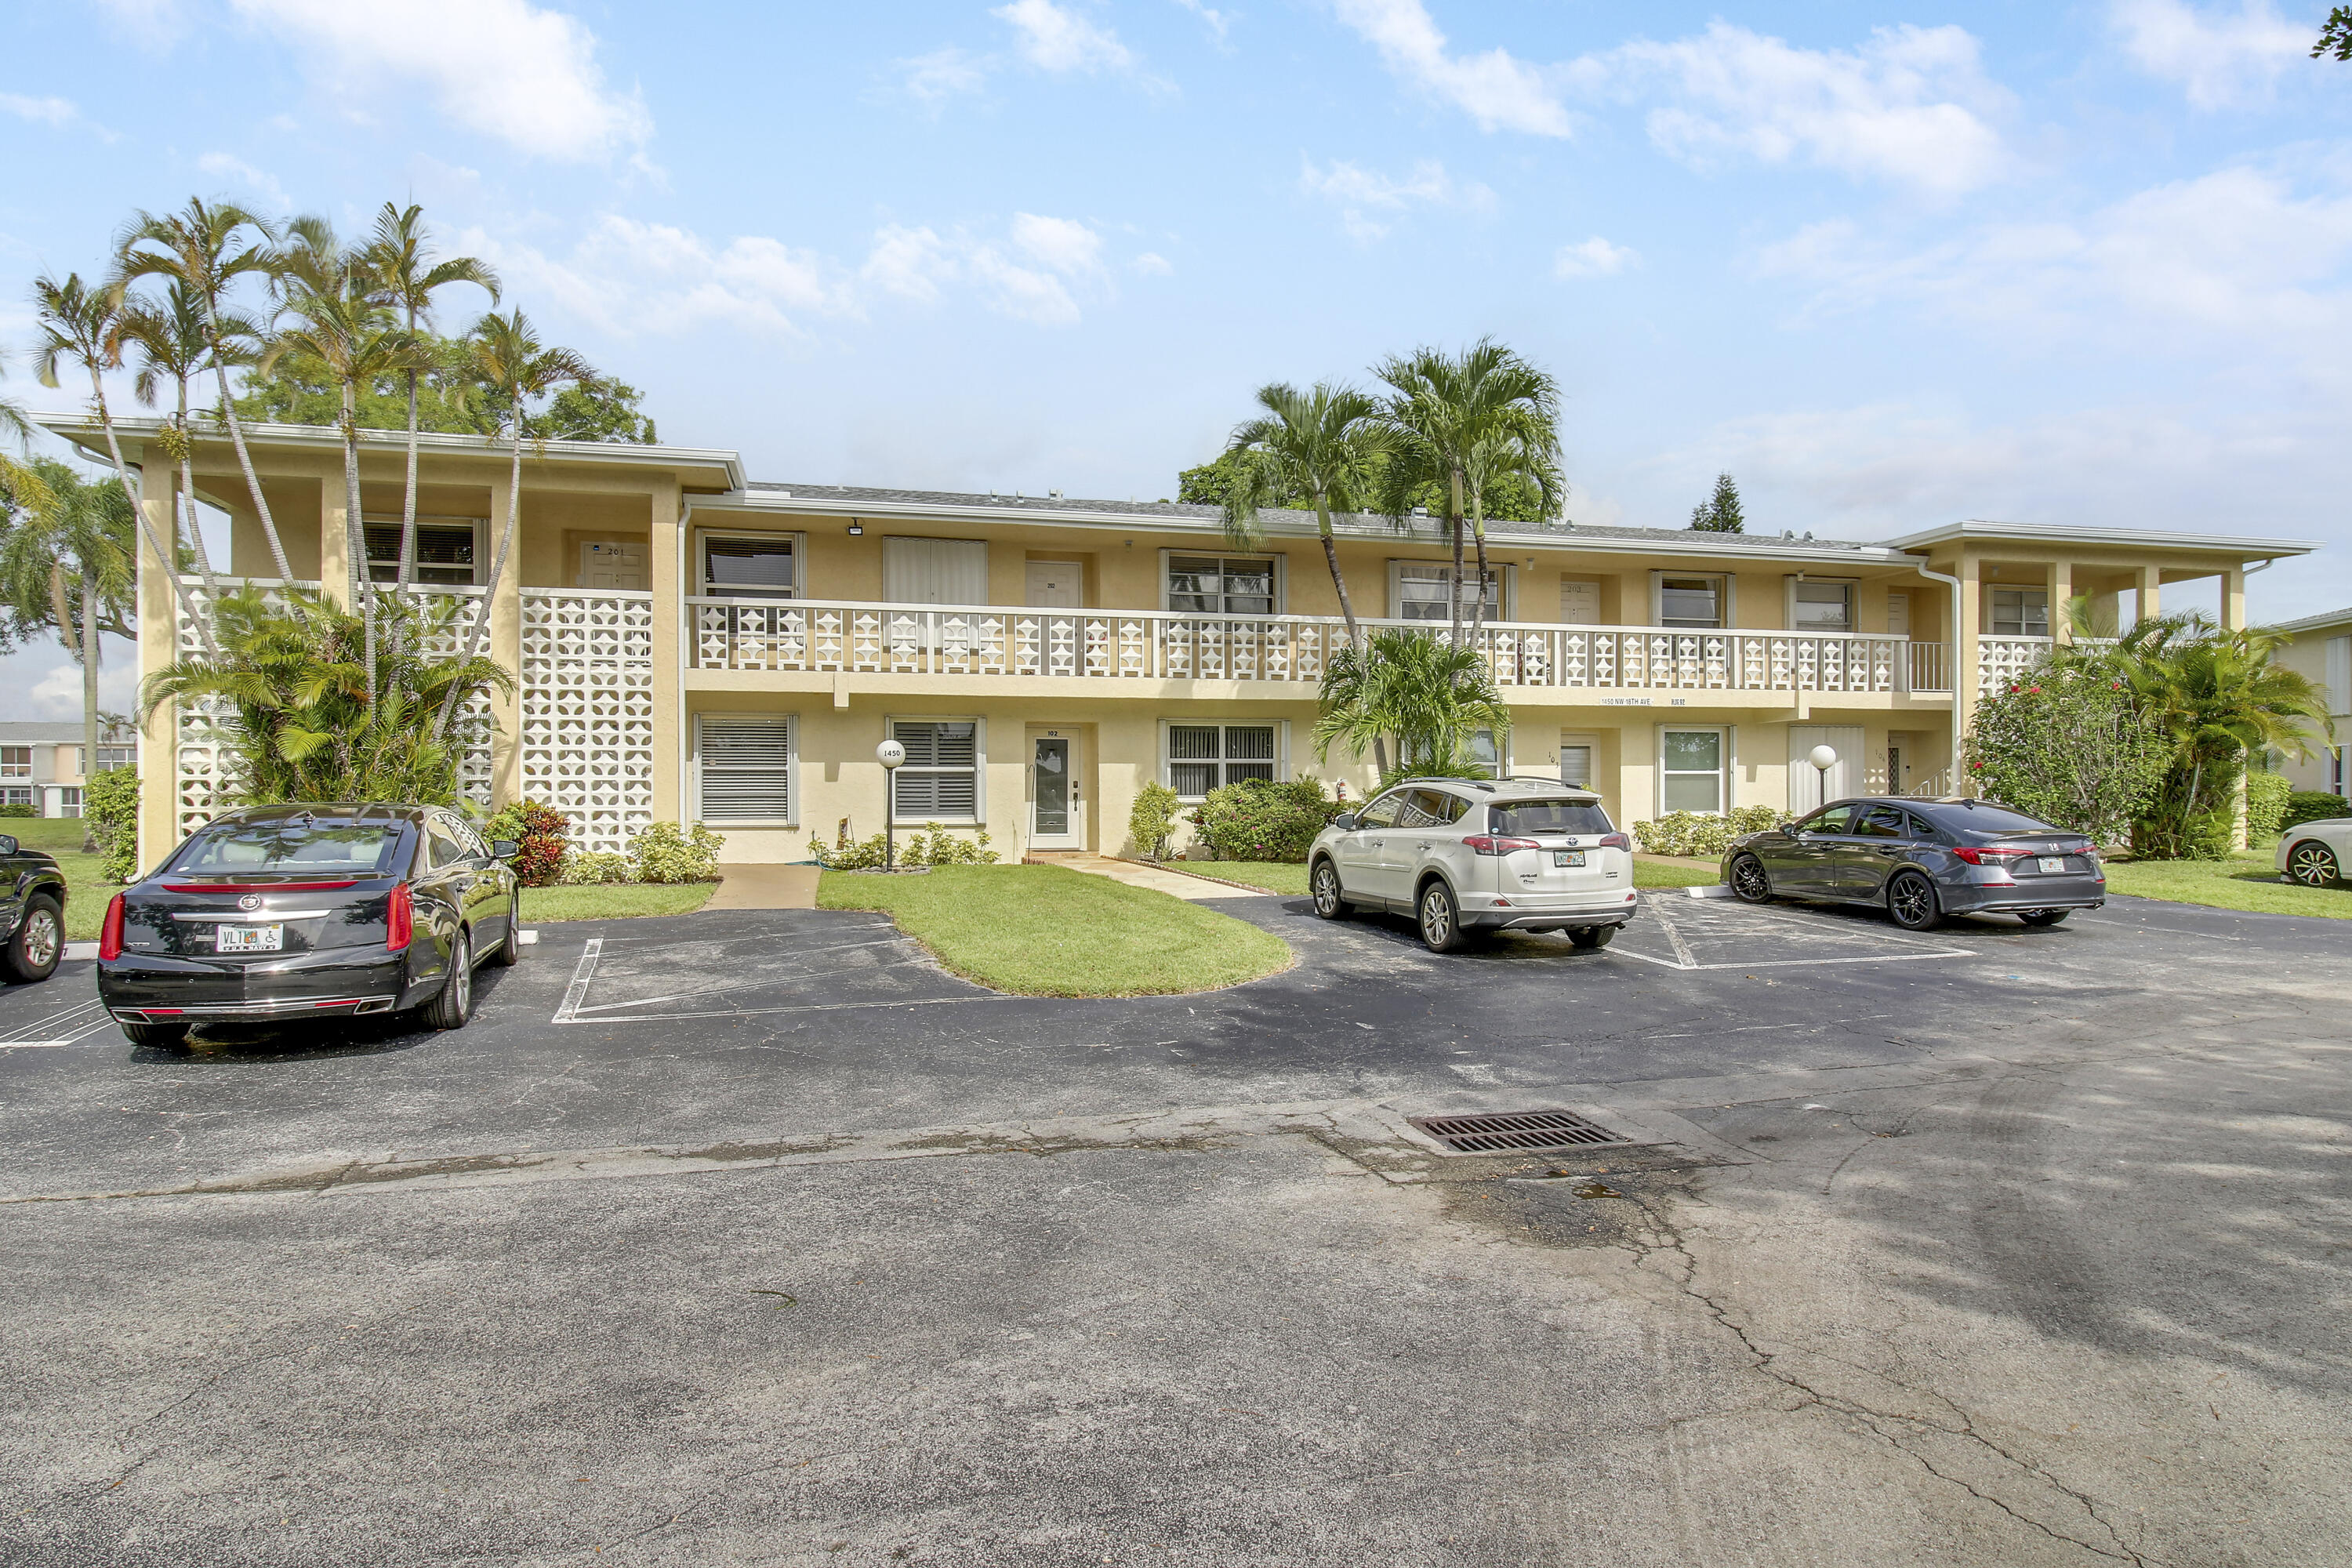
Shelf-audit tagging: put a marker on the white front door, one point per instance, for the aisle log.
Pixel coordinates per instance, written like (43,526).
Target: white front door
(1054,820)
(1056,585)
(613,564)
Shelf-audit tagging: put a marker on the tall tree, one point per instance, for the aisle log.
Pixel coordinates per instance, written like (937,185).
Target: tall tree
(1439,407)
(334,312)
(1327,446)
(80,325)
(1719,513)
(205,249)
(2335,36)
(1495,462)
(399,253)
(505,354)
(21,486)
(173,342)
(73,565)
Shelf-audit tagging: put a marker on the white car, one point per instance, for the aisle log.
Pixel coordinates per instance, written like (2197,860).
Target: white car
(1465,856)
(2315,853)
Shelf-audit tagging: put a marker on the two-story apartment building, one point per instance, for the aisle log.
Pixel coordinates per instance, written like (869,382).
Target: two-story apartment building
(2321,648)
(694,644)
(42,764)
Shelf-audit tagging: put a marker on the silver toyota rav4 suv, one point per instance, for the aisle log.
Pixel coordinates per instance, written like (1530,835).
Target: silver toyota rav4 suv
(1465,857)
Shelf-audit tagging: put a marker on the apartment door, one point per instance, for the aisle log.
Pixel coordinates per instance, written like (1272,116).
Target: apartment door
(613,564)
(1056,807)
(1056,585)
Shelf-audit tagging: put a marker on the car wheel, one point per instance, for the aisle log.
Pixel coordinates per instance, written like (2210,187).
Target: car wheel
(2045,917)
(1592,936)
(453,1003)
(509,952)
(1748,882)
(1441,920)
(1325,885)
(1911,900)
(161,1036)
(2313,864)
(32,952)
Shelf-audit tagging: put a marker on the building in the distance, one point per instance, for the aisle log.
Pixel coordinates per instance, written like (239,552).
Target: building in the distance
(42,766)
(694,644)
(2322,650)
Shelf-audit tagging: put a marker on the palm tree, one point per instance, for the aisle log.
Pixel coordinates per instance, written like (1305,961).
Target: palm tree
(1327,444)
(1440,408)
(331,296)
(1506,452)
(79,326)
(173,340)
(306,717)
(397,253)
(1432,697)
(74,563)
(202,249)
(504,353)
(22,485)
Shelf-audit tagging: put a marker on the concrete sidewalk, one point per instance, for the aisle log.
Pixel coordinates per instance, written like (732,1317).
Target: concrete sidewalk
(765,888)
(1176,884)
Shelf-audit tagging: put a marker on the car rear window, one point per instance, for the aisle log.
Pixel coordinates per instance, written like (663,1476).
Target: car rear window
(1993,819)
(1527,818)
(362,849)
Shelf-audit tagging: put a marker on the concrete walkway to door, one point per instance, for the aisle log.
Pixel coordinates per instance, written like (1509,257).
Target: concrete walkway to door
(765,888)
(1135,874)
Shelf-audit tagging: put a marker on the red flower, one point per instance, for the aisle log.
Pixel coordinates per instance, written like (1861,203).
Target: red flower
(2037,691)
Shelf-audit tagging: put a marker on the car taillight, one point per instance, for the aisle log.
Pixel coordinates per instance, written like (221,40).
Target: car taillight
(1485,844)
(1615,841)
(1989,857)
(400,920)
(109,935)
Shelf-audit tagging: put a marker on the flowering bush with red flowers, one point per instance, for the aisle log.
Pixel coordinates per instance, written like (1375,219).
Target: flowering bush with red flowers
(2070,748)
(542,831)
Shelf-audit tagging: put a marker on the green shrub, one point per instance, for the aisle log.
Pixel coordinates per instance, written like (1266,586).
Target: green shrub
(933,846)
(110,805)
(2312,805)
(1151,820)
(2266,798)
(1258,819)
(13,812)
(1688,833)
(2067,746)
(594,868)
(541,831)
(663,852)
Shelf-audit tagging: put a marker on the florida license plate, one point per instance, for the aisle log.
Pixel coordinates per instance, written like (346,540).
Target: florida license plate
(249,939)
(1568,856)
(2053,865)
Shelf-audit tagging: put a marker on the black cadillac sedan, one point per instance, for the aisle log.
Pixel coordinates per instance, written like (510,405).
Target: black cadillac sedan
(1921,860)
(283,912)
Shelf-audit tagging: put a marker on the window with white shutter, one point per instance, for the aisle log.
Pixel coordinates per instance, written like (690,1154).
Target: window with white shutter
(1202,757)
(744,767)
(940,781)
(750,566)
(935,571)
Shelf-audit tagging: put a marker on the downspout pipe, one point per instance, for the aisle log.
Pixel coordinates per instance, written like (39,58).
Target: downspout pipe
(1953,621)
(687,793)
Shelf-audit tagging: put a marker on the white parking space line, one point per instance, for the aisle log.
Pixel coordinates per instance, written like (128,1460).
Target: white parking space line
(71,1027)
(578,991)
(1712,927)
(576,1008)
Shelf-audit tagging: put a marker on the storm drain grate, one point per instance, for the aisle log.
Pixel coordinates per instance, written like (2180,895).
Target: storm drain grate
(1515,1129)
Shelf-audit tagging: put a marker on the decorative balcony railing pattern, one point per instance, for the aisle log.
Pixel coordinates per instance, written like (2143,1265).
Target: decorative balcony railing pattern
(2002,660)
(588,709)
(813,635)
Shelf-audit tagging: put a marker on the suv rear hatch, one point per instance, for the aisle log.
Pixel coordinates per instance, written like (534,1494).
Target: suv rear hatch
(1557,850)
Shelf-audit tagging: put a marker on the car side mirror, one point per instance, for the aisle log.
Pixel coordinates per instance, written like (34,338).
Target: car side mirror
(1345,822)
(504,850)
(8,845)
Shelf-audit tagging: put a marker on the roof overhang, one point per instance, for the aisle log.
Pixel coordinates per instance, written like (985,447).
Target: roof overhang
(1978,529)
(2315,623)
(719,467)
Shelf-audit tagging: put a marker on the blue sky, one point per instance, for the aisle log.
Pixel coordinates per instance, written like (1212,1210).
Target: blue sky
(1888,265)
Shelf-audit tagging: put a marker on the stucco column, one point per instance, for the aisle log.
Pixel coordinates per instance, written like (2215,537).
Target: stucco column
(504,610)
(665,559)
(159,621)
(2234,599)
(2151,584)
(334,550)
(2062,588)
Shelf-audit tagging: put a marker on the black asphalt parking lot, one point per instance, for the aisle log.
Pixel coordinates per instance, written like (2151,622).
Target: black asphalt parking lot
(755,1237)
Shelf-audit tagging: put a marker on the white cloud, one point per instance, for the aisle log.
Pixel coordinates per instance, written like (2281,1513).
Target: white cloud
(1594,258)
(1911,106)
(1494,90)
(1217,21)
(52,112)
(1056,38)
(1358,192)
(943,74)
(55,691)
(221,166)
(2220,57)
(1064,244)
(1151,264)
(505,68)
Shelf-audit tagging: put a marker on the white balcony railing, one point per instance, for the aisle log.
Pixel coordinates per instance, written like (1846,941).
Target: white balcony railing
(820,634)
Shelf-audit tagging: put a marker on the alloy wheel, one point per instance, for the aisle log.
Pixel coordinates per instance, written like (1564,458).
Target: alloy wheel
(1748,881)
(2313,865)
(1436,918)
(1326,891)
(1911,902)
(463,978)
(40,938)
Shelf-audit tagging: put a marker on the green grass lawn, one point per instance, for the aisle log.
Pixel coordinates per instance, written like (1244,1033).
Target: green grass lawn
(1042,930)
(2241,882)
(1674,871)
(613,901)
(86,893)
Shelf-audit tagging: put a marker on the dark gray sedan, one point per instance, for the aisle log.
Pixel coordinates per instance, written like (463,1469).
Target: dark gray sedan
(309,911)
(1921,860)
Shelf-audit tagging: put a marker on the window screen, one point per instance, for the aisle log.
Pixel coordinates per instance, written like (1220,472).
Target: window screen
(16,761)
(1693,767)
(1576,763)
(1200,757)
(444,551)
(1219,585)
(745,767)
(1694,602)
(2021,612)
(749,568)
(940,777)
(1421,588)
(1824,607)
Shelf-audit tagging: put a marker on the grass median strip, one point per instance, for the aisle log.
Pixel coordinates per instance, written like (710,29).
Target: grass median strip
(1042,931)
(614,901)
(2249,882)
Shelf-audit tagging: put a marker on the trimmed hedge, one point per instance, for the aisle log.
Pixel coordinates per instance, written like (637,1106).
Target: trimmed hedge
(2312,805)
(1258,819)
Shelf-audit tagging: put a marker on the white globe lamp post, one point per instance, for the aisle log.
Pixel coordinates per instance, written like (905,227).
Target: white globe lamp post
(1824,759)
(890,753)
